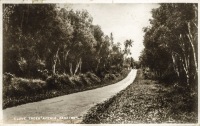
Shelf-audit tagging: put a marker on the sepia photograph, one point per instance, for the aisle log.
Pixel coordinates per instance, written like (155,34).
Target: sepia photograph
(100,63)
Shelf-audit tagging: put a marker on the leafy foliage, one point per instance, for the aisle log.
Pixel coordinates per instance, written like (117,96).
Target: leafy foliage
(42,40)
(171,43)
(14,87)
(18,91)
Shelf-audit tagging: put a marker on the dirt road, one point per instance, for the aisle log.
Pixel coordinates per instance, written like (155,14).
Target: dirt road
(64,109)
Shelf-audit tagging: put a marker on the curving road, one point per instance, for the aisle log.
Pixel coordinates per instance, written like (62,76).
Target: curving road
(64,109)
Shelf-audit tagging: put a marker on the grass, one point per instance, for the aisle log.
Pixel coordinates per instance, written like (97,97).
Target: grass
(17,91)
(146,101)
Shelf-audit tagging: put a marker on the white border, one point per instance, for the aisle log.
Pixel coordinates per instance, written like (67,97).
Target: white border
(99,1)
(90,2)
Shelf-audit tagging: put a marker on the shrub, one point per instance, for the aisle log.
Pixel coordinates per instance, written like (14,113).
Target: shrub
(66,80)
(77,80)
(85,79)
(8,90)
(43,74)
(63,81)
(7,77)
(37,84)
(117,75)
(21,86)
(93,77)
(110,77)
(53,81)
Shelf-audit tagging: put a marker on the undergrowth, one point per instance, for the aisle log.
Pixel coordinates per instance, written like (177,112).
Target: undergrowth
(17,91)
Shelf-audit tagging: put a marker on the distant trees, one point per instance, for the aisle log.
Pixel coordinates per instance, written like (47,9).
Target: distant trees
(43,39)
(171,43)
(127,45)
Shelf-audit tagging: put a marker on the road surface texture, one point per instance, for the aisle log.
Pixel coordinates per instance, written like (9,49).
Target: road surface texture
(64,109)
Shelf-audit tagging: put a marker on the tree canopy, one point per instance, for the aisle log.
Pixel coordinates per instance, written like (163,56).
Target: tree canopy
(45,38)
(171,43)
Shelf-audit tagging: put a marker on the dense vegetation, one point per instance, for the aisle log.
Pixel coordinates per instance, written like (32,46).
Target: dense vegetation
(17,91)
(42,40)
(46,47)
(171,44)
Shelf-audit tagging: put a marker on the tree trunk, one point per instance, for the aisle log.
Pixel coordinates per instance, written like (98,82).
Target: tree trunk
(76,69)
(186,69)
(65,59)
(78,65)
(185,57)
(70,68)
(55,59)
(191,41)
(98,64)
(175,65)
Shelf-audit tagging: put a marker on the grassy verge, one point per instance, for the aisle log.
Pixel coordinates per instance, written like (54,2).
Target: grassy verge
(17,91)
(146,101)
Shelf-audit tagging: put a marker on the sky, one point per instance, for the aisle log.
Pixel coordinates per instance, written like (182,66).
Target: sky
(125,21)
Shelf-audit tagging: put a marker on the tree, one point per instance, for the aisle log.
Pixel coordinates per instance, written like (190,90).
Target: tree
(111,39)
(127,45)
(45,38)
(171,42)
(25,31)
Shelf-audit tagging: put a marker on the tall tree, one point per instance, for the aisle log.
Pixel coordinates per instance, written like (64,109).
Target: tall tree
(172,39)
(25,31)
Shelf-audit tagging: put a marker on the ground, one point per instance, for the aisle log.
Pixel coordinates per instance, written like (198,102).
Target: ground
(146,101)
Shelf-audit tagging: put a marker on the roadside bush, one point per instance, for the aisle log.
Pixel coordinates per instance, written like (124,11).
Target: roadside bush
(85,79)
(60,81)
(148,74)
(93,77)
(53,81)
(124,71)
(110,77)
(18,91)
(21,86)
(8,90)
(166,76)
(7,77)
(117,74)
(77,81)
(43,74)
(67,81)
